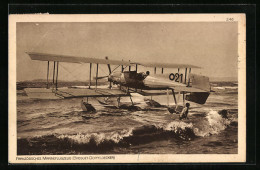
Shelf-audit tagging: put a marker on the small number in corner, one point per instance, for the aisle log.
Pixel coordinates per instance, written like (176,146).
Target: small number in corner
(229,19)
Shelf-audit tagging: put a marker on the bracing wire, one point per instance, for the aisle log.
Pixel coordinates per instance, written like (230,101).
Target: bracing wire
(115,68)
(78,71)
(103,70)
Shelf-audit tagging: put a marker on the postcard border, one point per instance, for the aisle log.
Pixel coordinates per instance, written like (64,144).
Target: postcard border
(143,158)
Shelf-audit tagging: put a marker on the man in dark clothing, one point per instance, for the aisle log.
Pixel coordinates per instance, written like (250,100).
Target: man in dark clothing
(185,111)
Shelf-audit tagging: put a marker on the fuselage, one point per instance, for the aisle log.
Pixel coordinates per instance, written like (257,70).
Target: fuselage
(141,80)
(198,88)
(128,78)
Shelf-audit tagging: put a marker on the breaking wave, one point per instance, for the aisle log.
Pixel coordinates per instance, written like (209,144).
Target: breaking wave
(216,124)
(105,142)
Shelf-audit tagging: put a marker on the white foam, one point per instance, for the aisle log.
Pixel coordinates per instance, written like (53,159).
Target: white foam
(97,137)
(215,125)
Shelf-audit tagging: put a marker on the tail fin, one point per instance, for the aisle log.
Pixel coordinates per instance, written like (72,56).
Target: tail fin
(200,82)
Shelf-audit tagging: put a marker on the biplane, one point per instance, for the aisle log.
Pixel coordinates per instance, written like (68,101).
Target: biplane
(193,87)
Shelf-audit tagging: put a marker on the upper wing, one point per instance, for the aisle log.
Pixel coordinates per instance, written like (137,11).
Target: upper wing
(77,59)
(166,65)
(73,59)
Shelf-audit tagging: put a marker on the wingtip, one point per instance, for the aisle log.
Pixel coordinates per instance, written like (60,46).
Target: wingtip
(28,52)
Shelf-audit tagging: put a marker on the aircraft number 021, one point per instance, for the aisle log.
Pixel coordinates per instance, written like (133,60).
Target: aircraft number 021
(177,77)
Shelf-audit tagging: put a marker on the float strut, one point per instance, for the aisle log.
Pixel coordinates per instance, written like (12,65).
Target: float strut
(131,100)
(174,97)
(118,102)
(185,75)
(167,97)
(183,99)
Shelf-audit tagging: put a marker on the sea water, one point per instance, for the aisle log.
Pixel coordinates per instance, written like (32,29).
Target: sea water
(61,127)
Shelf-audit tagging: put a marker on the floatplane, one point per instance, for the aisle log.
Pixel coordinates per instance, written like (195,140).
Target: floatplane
(193,87)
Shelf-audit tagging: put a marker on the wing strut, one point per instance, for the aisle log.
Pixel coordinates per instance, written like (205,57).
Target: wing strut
(96,76)
(122,68)
(129,66)
(57,75)
(90,68)
(109,68)
(185,75)
(53,72)
(48,74)
(189,77)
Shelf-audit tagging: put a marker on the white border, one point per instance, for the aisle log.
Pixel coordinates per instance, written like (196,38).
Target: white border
(133,158)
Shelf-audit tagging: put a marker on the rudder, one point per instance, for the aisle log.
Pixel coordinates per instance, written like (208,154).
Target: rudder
(202,83)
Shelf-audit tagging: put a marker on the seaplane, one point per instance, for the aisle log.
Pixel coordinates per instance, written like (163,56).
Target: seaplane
(193,87)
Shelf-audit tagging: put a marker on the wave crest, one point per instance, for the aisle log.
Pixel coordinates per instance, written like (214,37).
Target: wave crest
(80,138)
(215,124)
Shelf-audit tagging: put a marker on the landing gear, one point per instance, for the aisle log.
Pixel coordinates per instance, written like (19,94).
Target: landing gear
(175,109)
(86,107)
(131,100)
(152,103)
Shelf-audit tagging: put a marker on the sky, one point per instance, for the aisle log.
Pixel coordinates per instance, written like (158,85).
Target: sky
(210,45)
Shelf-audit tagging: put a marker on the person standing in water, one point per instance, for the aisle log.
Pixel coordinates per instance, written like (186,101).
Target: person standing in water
(185,111)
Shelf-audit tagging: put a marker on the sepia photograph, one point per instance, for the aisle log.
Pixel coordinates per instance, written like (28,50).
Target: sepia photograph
(127,88)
